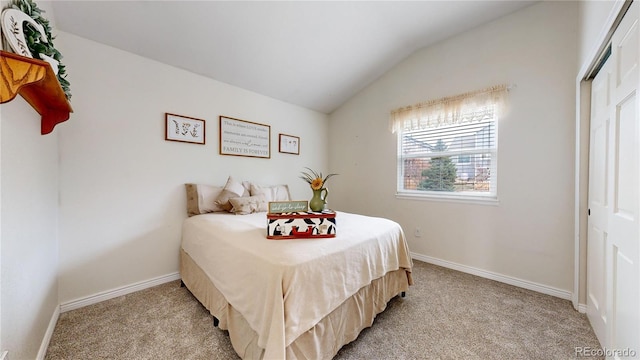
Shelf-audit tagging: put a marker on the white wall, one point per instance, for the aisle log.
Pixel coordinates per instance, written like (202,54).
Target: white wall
(29,229)
(122,197)
(529,235)
(592,16)
(28,226)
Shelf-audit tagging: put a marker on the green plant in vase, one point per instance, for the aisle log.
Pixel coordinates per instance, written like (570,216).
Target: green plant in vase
(320,192)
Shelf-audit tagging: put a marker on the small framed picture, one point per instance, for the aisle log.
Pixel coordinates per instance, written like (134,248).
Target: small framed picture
(289,144)
(184,129)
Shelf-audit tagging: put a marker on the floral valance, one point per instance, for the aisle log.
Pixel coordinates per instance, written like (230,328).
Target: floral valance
(459,109)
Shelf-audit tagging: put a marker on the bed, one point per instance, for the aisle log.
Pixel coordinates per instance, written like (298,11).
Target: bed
(293,299)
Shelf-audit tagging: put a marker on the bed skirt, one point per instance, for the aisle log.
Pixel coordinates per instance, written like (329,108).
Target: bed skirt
(323,341)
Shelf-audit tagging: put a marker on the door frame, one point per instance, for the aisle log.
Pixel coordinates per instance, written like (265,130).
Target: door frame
(581,173)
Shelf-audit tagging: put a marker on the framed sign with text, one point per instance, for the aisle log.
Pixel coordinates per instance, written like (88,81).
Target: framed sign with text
(278,207)
(244,138)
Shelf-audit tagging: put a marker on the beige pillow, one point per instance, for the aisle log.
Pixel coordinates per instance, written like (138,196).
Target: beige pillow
(271,193)
(232,189)
(201,199)
(248,204)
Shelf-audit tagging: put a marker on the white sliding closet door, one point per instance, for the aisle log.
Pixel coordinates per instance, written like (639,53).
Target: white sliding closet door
(597,258)
(613,261)
(624,214)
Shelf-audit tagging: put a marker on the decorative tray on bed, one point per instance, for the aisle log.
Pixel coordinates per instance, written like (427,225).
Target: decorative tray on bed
(301,225)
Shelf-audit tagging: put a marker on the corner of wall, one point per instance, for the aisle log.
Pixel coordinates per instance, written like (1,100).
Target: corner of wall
(42,352)
(29,187)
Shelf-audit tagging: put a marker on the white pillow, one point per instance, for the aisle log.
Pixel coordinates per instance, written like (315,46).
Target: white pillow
(232,189)
(271,193)
(201,199)
(234,186)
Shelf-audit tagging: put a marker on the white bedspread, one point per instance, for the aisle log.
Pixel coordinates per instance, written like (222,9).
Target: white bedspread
(284,287)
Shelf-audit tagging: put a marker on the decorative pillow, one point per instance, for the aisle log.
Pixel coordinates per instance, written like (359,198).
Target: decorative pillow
(272,193)
(232,189)
(248,204)
(201,199)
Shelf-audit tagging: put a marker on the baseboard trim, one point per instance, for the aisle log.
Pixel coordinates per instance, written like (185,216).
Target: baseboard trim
(529,285)
(110,294)
(582,308)
(48,334)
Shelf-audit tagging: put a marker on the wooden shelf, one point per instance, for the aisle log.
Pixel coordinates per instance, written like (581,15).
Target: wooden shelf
(35,81)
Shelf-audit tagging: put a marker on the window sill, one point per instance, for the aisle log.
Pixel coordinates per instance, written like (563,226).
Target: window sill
(452,198)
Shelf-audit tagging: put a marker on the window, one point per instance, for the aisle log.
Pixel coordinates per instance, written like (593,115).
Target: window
(449,151)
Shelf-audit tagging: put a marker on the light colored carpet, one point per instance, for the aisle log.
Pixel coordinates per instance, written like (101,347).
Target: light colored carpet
(446,315)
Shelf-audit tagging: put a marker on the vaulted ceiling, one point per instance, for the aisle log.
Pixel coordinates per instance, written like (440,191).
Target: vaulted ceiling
(315,54)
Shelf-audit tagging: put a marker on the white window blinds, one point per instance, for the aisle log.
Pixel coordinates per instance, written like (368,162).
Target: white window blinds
(449,146)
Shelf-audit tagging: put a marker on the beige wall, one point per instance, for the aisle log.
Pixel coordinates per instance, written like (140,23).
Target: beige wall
(529,235)
(592,17)
(29,226)
(122,197)
(29,223)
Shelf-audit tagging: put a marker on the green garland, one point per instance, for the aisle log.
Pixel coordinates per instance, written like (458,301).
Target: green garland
(36,46)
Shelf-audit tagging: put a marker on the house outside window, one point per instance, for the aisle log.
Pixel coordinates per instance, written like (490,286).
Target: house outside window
(450,152)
